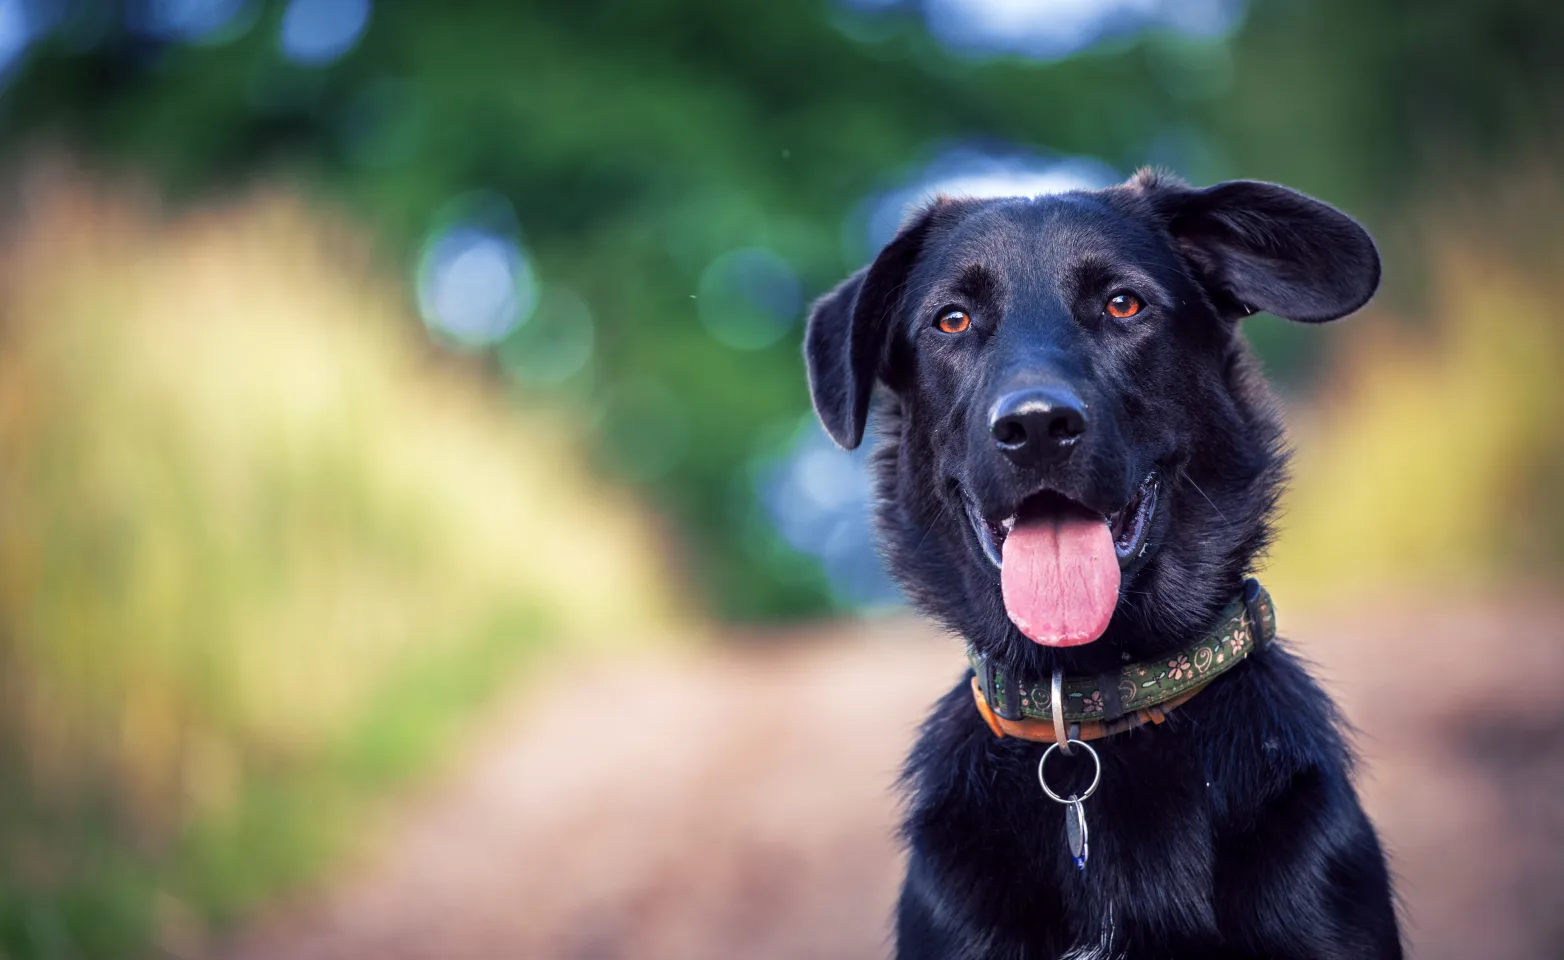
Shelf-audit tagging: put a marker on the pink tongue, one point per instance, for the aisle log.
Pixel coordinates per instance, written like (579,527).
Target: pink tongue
(1060,577)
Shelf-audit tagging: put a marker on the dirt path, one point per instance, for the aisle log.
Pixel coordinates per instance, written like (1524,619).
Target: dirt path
(741,804)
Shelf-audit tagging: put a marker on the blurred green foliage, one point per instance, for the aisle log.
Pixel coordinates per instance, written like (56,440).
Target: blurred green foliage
(640,140)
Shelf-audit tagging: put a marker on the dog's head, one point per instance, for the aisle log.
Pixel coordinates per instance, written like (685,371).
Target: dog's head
(1075,444)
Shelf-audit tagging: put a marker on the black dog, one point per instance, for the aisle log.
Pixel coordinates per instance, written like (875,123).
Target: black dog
(1078,464)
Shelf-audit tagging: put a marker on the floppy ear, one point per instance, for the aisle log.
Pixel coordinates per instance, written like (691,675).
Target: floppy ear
(1259,246)
(845,343)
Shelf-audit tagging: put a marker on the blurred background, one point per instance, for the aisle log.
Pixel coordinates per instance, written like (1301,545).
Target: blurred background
(414,539)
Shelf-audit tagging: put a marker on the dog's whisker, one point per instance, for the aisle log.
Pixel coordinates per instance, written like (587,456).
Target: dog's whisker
(929,529)
(1207,498)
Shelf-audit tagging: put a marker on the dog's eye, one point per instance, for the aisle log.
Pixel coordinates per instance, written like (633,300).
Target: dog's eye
(1124,305)
(954,321)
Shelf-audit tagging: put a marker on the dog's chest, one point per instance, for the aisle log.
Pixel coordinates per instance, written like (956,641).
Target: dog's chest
(998,847)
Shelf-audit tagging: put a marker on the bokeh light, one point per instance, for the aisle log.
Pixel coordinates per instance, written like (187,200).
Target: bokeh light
(16,32)
(1051,29)
(967,171)
(193,21)
(817,497)
(749,298)
(317,32)
(475,282)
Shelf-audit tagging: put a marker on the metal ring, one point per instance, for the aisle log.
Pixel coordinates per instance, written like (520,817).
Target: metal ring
(1096,775)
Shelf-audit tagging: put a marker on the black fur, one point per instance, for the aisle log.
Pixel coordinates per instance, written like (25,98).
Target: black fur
(1231,830)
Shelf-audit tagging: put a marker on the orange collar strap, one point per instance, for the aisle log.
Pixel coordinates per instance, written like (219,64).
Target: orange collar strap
(1042,731)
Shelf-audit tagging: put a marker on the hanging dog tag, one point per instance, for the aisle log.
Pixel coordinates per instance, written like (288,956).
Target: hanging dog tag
(1074,805)
(1075,831)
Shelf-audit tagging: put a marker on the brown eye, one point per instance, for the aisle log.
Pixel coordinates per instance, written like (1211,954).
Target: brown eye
(1124,305)
(955,321)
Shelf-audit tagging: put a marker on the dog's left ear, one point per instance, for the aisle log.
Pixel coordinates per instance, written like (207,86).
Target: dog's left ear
(1259,246)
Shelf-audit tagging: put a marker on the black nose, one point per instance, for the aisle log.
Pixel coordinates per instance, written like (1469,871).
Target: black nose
(1034,426)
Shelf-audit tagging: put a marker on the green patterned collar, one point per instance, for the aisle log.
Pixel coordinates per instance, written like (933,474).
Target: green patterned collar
(1248,623)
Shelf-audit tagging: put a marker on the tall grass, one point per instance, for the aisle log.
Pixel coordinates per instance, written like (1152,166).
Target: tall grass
(259,554)
(1432,457)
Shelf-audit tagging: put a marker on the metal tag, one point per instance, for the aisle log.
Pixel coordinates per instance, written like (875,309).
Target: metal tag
(1074,805)
(1075,830)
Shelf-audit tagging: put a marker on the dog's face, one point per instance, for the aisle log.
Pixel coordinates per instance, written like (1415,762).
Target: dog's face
(1076,445)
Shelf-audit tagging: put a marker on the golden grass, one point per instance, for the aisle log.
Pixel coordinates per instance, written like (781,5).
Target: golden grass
(1432,457)
(240,502)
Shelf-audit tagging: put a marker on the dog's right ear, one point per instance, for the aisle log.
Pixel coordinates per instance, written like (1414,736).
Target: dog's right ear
(845,342)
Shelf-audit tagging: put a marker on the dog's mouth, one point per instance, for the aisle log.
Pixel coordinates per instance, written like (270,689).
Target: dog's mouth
(1060,562)
(1130,525)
